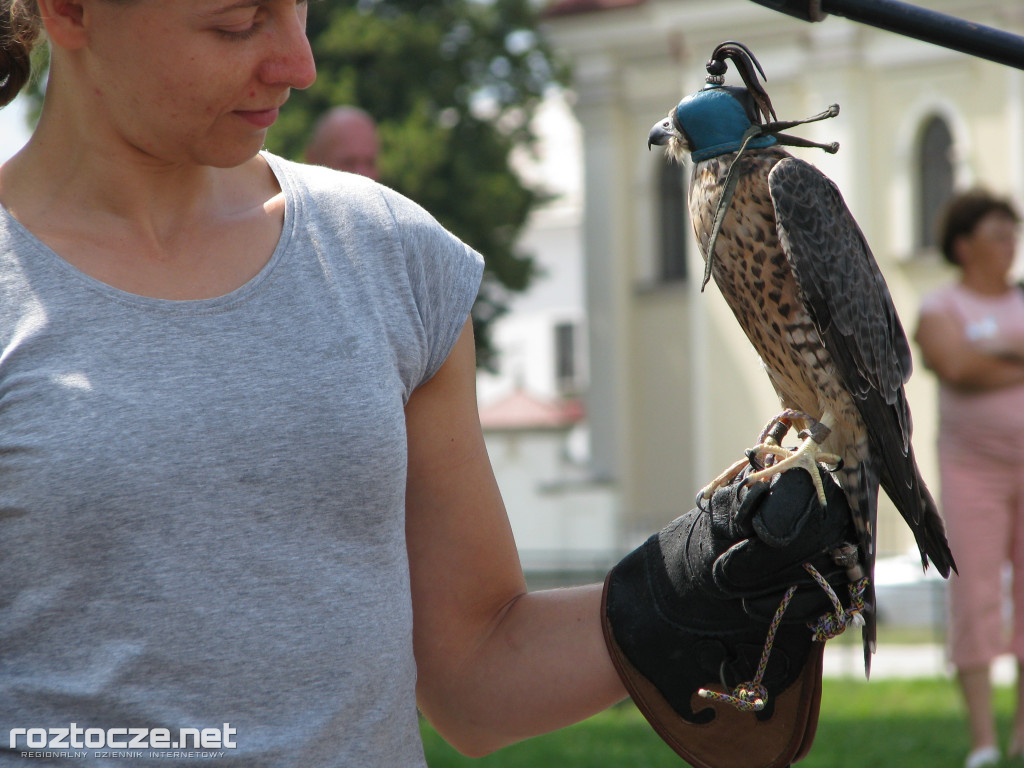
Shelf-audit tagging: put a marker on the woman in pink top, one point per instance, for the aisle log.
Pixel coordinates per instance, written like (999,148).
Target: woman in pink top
(972,336)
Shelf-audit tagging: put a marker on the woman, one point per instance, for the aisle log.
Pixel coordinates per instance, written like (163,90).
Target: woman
(972,337)
(239,445)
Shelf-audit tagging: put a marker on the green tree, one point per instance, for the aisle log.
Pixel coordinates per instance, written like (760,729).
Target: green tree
(453,85)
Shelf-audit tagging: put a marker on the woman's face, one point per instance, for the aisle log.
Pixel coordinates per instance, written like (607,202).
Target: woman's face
(992,243)
(193,80)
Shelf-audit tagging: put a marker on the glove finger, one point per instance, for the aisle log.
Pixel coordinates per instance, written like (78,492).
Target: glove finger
(733,508)
(750,568)
(792,528)
(744,517)
(782,519)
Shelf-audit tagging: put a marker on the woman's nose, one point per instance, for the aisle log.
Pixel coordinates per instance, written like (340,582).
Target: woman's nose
(291,61)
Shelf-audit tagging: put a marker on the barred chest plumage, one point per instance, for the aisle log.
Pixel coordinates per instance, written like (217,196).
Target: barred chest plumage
(756,280)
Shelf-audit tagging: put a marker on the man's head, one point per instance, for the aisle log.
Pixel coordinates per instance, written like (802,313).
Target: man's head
(345,139)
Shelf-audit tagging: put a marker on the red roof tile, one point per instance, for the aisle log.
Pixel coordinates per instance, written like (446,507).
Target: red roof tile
(522,411)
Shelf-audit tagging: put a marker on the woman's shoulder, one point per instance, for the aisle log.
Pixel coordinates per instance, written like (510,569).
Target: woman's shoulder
(943,300)
(348,196)
(317,180)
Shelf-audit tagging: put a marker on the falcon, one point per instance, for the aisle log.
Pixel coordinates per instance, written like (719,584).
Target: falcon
(797,272)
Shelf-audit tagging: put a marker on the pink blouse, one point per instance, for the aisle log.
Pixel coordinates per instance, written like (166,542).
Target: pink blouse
(987,420)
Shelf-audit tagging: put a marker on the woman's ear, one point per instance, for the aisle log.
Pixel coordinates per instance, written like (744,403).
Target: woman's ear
(65,22)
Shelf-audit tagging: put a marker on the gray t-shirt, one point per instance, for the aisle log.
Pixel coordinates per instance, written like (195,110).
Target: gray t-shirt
(202,502)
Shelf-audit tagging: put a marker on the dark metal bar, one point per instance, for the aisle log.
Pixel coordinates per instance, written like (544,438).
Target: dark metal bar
(918,23)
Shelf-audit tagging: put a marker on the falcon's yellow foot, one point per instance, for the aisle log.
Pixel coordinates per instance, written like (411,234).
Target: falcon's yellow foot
(723,479)
(807,457)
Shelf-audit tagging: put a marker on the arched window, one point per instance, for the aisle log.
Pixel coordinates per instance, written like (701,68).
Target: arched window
(934,178)
(674,223)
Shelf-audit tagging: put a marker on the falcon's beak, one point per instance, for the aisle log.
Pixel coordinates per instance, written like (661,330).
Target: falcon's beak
(661,133)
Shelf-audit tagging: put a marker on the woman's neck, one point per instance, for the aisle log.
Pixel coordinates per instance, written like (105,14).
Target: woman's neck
(985,284)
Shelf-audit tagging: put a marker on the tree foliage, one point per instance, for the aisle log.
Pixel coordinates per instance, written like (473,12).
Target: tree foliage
(453,85)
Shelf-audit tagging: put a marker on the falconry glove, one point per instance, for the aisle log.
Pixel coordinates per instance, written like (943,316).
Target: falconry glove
(716,624)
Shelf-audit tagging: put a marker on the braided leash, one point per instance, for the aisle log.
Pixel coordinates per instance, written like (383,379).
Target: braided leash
(752,696)
(834,624)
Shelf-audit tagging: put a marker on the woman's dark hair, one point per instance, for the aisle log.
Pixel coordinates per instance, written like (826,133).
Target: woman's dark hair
(963,213)
(20,27)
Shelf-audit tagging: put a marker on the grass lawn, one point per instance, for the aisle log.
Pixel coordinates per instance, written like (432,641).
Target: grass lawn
(878,724)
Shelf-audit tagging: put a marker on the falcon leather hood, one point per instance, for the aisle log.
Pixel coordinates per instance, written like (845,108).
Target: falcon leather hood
(711,122)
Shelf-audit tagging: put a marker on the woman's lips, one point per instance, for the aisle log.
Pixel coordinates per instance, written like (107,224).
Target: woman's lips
(261,118)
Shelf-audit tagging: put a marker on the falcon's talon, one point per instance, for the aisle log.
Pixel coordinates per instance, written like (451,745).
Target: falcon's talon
(829,462)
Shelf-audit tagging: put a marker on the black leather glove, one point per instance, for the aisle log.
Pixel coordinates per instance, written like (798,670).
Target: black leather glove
(691,609)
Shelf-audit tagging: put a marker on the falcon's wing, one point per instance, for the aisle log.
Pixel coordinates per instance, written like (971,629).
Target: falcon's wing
(847,298)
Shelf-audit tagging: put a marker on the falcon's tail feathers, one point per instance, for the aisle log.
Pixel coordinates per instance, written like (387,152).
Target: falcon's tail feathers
(931,536)
(914,501)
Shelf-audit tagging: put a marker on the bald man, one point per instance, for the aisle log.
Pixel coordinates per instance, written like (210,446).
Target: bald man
(345,139)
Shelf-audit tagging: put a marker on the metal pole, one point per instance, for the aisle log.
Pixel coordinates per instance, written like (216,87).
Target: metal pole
(911,21)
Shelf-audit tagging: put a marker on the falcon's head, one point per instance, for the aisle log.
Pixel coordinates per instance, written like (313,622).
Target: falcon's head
(712,121)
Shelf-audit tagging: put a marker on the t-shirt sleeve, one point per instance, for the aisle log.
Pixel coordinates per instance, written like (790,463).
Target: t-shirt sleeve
(444,276)
(938,302)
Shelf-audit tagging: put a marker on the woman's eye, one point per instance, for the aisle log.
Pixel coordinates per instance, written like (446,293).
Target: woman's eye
(240,27)
(239,34)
